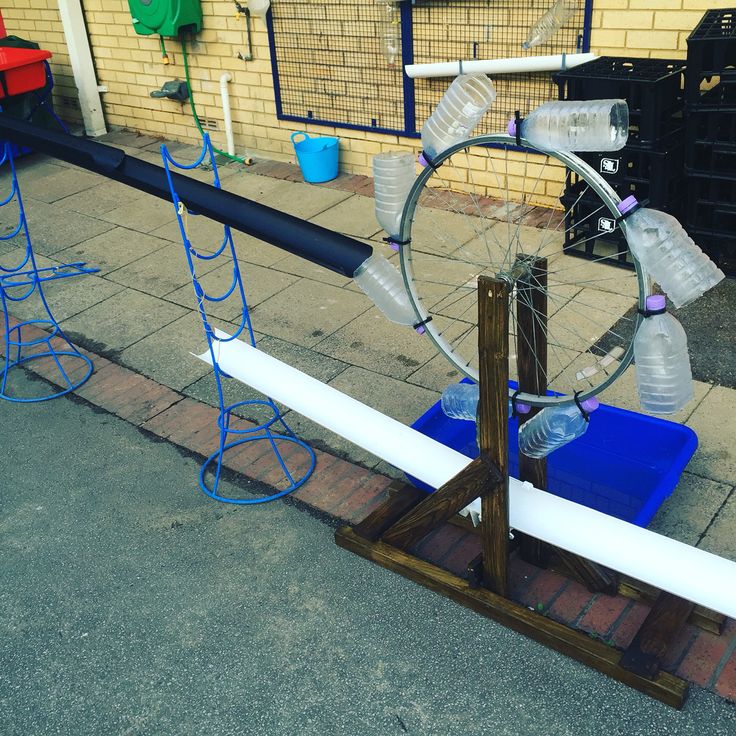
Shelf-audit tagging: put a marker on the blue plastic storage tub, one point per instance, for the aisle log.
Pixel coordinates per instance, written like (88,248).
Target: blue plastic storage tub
(625,465)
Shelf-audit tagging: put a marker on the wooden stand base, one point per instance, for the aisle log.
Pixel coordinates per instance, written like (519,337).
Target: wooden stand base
(576,644)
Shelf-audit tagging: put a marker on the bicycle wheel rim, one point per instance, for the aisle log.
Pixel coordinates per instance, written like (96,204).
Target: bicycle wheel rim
(426,307)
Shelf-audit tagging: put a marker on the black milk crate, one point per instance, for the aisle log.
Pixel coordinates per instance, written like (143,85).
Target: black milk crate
(651,87)
(710,126)
(712,159)
(592,232)
(719,246)
(715,95)
(711,48)
(714,218)
(654,175)
(715,189)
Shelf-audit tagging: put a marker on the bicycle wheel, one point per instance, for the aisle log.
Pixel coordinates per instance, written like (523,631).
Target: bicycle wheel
(487,207)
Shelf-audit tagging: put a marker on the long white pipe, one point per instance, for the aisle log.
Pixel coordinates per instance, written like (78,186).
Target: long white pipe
(224,93)
(83,67)
(519,64)
(688,572)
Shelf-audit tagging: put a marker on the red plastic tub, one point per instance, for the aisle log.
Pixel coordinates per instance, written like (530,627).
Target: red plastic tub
(21,70)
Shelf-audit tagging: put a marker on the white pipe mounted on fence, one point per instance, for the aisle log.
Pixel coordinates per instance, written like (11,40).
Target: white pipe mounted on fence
(669,565)
(514,65)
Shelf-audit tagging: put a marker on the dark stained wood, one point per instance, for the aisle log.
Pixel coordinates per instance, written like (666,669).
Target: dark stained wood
(474,571)
(596,578)
(493,379)
(531,364)
(476,480)
(647,650)
(578,645)
(402,497)
(700,616)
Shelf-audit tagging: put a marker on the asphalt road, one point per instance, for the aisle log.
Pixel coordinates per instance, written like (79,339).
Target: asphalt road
(132,604)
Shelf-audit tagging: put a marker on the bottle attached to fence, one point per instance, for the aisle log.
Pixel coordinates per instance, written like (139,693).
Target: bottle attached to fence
(668,254)
(462,106)
(664,379)
(381,281)
(550,23)
(554,427)
(394,173)
(571,125)
(460,401)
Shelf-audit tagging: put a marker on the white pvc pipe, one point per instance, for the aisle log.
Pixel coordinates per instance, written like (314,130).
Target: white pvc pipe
(515,65)
(83,68)
(669,565)
(224,79)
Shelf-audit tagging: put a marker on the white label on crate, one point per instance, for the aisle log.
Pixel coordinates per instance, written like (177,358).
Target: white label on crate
(609,165)
(606,224)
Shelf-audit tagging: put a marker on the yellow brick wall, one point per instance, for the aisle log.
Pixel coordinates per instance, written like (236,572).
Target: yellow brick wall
(131,66)
(38,20)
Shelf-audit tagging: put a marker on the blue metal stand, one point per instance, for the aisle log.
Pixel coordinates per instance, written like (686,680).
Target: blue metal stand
(19,283)
(296,464)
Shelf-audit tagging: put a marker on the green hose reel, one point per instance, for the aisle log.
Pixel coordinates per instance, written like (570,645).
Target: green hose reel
(166,17)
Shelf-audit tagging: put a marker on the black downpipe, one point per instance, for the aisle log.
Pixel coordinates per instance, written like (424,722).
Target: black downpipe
(317,244)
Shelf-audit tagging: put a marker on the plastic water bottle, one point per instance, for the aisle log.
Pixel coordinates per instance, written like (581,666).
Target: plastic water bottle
(668,254)
(569,125)
(554,427)
(664,379)
(462,106)
(550,23)
(460,401)
(382,282)
(393,176)
(389,24)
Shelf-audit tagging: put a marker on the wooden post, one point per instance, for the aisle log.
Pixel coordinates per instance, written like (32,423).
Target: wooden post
(493,352)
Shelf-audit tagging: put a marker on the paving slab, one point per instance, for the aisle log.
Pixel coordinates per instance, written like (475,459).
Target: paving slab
(259,284)
(298,266)
(436,374)
(53,227)
(713,421)
(302,200)
(306,311)
(144,214)
(353,216)
(114,249)
(123,319)
(688,512)
(160,272)
(165,355)
(56,186)
(372,342)
(107,196)
(720,538)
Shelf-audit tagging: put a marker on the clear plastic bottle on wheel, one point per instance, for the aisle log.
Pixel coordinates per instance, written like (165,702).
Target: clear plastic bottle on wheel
(462,106)
(554,427)
(571,125)
(664,379)
(668,254)
(460,401)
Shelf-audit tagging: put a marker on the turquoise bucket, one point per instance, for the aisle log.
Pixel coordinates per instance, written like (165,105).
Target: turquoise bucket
(317,157)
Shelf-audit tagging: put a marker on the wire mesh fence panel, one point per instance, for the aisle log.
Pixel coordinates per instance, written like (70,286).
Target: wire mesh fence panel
(452,30)
(330,64)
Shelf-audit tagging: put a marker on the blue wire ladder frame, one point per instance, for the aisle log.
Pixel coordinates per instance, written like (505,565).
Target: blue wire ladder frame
(265,430)
(21,282)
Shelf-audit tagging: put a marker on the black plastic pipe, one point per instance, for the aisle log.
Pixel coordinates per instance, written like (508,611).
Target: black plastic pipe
(317,244)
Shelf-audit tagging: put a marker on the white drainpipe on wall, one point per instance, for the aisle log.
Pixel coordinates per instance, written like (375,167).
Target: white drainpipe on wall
(224,79)
(80,54)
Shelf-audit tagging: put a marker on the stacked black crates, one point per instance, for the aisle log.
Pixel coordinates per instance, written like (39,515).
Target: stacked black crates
(650,166)
(710,104)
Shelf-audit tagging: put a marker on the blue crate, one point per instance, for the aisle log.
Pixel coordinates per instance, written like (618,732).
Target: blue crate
(625,465)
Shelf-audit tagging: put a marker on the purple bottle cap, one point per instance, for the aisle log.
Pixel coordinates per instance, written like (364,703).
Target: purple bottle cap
(523,408)
(394,246)
(627,204)
(656,302)
(511,128)
(422,161)
(590,404)
(420,330)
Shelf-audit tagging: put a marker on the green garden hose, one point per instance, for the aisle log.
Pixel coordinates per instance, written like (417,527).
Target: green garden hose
(194,109)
